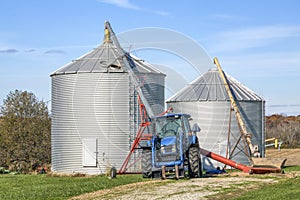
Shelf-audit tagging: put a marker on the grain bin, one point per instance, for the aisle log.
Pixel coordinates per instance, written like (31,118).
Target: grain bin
(207,101)
(95,110)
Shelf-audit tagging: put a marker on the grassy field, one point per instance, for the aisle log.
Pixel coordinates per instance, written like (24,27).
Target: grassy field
(46,187)
(287,188)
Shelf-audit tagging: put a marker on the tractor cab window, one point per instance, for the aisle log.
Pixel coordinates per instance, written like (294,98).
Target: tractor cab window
(168,126)
(186,124)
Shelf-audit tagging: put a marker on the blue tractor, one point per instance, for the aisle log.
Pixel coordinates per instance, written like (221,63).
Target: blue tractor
(173,151)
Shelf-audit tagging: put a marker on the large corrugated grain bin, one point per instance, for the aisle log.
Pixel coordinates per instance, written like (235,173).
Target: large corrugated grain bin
(95,109)
(207,101)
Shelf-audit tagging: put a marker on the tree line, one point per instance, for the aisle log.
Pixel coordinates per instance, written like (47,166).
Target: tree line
(25,132)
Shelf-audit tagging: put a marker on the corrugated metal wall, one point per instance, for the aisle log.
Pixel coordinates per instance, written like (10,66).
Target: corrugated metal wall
(213,118)
(102,107)
(89,105)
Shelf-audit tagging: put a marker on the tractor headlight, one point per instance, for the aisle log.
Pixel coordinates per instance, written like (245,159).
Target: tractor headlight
(174,148)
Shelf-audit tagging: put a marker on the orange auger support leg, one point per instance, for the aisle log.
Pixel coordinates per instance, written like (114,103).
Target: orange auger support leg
(244,168)
(139,136)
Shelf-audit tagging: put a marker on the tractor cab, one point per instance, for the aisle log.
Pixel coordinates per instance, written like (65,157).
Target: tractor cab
(170,139)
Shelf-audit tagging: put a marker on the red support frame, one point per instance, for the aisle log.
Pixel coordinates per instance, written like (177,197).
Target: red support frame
(139,136)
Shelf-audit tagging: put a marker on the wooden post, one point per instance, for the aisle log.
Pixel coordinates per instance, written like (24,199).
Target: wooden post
(163,172)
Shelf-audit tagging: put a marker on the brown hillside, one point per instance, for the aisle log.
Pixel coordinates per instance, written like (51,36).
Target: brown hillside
(285,128)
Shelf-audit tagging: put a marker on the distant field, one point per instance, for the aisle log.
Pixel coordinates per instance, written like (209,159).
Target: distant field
(292,155)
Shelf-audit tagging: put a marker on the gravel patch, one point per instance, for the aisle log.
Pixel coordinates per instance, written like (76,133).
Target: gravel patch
(200,188)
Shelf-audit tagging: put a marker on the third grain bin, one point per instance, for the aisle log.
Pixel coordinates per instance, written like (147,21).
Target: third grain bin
(209,105)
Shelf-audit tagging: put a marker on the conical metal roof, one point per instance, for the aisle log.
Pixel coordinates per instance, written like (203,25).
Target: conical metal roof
(105,58)
(210,87)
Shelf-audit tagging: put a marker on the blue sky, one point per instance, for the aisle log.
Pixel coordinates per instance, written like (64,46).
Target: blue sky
(257,42)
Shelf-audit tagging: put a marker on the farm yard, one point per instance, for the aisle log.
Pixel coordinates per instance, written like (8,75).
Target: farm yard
(145,110)
(234,185)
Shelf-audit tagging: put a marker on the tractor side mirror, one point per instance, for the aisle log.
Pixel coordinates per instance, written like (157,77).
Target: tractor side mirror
(196,128)
(157,143)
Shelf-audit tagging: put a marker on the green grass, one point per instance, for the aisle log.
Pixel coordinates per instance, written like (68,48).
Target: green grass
(291,168)
(46,187)
(285,189)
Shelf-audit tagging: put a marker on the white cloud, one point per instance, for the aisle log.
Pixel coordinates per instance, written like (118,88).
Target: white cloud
(162,13)
(267,64)
(8,51)
(247,38)
(128,5)
(121,3)
(265,32)
(54,51)
(29,50)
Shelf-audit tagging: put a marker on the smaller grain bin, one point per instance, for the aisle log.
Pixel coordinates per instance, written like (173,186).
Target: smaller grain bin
(95,113)
(208,103)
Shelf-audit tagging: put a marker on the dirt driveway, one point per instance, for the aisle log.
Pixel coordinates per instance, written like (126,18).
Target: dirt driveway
(201,188)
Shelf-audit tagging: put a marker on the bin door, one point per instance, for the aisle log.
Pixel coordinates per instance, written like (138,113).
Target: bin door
(89,152)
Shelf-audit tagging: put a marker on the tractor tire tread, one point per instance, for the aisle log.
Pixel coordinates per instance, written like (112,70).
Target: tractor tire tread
(146,163)
(194,162)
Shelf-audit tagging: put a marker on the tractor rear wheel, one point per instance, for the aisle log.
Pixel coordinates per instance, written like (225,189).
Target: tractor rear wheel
(194,162)
(146,163)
